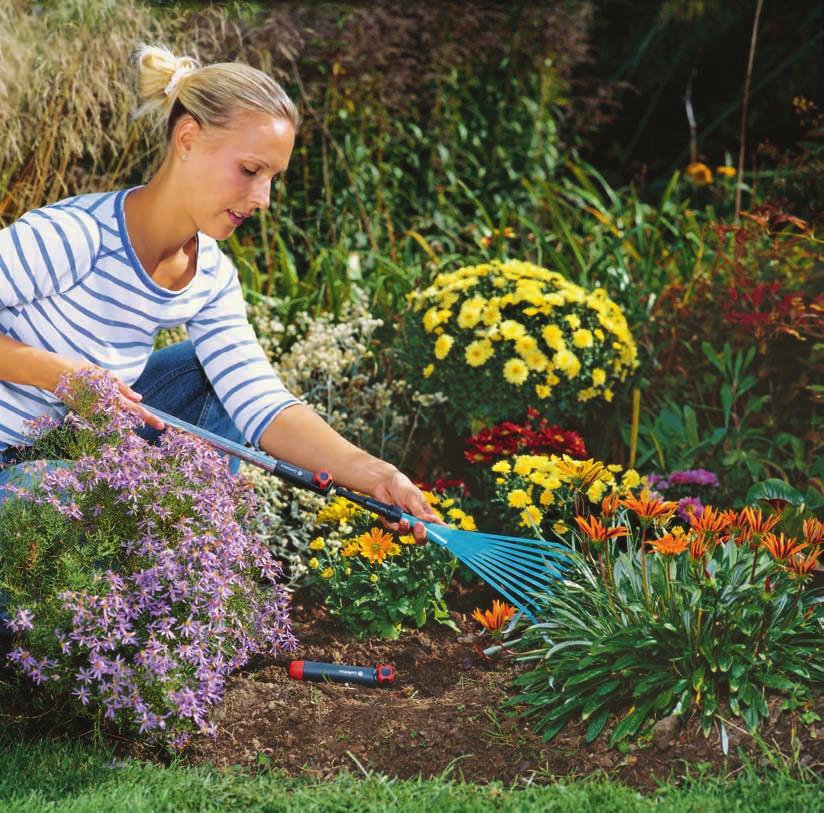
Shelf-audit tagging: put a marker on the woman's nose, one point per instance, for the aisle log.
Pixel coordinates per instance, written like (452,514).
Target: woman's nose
(261,193)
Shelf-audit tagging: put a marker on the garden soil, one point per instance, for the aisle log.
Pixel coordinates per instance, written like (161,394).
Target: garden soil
(443,716)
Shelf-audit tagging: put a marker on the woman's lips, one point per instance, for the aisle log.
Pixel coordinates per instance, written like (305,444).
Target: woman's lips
(236,219)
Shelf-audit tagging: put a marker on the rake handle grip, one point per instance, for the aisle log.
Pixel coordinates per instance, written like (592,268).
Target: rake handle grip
(394,513)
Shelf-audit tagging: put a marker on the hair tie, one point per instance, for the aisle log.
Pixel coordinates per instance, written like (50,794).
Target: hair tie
(176,77)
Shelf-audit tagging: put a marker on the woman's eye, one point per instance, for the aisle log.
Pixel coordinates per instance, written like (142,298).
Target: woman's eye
(248,171)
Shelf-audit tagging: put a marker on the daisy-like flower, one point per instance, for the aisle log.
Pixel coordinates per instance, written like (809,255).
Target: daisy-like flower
(649,508)
(518,498)
(609,505)
(582,473)
(375,545)
(813,532)
(754,526)
(671,544)
(478,352)
(699,173)
(516,371)
(350,549)
(596,532)
(494,619)
(800,567)
(709,521)
(781,547)
(327,573)
(443,345)
(317,544)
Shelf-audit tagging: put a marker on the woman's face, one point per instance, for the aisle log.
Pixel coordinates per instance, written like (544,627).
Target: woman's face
(228,172)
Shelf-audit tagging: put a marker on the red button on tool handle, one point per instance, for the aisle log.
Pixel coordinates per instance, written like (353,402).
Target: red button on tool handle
(323,480)
(385,674)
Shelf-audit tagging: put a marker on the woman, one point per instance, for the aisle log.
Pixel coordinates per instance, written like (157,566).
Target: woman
(90,280)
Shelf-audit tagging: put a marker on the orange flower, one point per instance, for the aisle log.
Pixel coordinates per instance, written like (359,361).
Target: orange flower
(780,548)
(609,505)
(648,507)
(698,173)
(711,521)
(813,531)
(671,544)
(800,567)
(699,545)
(753,524)
(375,545)
(597,532)
(494,619)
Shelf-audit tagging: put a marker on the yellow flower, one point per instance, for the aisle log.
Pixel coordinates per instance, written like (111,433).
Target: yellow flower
(314,563)
(502,467)
(553,337)
(725,172)
(347,571)
(530,516)
(428,370)
(608,394)
(327,573)
(478,352)
(573,320)
(542,391)
(599,376)
(468,523)
(596,491)
(518,498)
(525,344)
(431,319)
(536,360)
(510,329)
(407,539)
(470,313)
(631,479)
(336,511)
(351,549)
(560,528)
(547,497)
(443,345)
(567,362)
(317,544)
(455,513)
(698,173)
(374,578)
(582,338)
(516,372)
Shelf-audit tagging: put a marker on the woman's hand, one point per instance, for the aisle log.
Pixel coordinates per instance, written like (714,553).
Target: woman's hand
(397,488)
(129,399)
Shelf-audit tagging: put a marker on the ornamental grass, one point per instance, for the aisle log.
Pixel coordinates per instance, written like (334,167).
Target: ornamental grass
(500,337)
(132,586)
(657,617)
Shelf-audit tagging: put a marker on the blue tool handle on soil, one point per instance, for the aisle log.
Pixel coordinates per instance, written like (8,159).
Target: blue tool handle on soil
(394,513)
(382,675)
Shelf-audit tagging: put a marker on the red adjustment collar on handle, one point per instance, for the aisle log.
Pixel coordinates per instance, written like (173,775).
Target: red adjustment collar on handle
(296,670)
(385,674)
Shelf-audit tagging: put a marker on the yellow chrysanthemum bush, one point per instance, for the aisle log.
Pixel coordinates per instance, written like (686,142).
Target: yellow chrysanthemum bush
(541,494)
(378,582)
(500,337)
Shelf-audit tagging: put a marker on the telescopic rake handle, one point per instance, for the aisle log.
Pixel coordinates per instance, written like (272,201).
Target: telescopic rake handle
(320,482)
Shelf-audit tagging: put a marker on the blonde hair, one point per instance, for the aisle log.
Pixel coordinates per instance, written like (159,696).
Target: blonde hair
(172,86)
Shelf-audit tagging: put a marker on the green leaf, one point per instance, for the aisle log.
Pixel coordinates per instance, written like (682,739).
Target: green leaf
(631,723)
(597,724)
(774,489)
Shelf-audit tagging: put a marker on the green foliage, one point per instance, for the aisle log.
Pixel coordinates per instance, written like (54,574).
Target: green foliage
(710,625)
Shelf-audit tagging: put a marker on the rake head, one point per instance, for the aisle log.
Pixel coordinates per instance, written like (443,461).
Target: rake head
(521,570)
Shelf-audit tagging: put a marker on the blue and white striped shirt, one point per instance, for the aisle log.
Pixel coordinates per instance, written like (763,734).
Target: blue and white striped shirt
(71,283)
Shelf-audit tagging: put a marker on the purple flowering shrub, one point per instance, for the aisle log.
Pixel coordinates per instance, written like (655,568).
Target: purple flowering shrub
(131,585)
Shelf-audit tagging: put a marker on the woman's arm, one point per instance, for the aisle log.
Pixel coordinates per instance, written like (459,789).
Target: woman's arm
(298,434)
(22,364)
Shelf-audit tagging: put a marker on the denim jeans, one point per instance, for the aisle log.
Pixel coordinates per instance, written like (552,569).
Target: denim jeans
(174,382)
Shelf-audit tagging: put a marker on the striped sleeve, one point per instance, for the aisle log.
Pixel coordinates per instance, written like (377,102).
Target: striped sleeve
(235,364)
(46,252)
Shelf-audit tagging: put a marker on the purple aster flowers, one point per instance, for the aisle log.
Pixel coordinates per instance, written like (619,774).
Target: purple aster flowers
(137,589)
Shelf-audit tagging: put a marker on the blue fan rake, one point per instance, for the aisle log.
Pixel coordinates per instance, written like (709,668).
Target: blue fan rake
(521,570)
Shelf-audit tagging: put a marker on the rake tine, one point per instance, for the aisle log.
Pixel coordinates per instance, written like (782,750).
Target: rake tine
(525,556)
(490,579)
(513,577)
(527,577)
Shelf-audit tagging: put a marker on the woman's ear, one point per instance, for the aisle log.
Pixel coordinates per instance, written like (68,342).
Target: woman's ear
(185,135)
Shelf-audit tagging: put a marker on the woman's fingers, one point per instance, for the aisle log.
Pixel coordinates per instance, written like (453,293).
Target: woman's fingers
(131,401)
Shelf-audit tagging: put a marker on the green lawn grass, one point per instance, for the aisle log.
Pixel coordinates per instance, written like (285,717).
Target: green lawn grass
(72,777)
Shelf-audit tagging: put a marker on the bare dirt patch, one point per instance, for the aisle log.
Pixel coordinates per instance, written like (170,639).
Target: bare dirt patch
(444,714)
